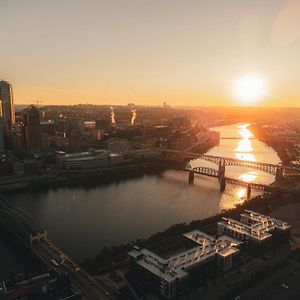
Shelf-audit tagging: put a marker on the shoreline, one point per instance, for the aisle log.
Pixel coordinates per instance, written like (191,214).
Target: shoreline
(116,254)
(260,203)
(89,180)
(84,177)
(282,149)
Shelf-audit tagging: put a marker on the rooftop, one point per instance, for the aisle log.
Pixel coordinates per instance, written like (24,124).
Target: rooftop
(176,266)
(254,224)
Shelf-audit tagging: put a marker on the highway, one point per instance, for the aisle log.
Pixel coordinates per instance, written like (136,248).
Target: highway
(91,289)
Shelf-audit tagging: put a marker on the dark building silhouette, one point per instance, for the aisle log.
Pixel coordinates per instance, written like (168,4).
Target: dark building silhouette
(103,124)
(48,127)
(62,126)
(7,112)
(32,130)
(1,130)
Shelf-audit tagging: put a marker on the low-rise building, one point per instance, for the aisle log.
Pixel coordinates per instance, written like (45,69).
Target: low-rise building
(84,160)
(42,285)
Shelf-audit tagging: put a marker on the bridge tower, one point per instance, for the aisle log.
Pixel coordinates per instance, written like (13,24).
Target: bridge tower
(191,177)
(248,192)
(279,174)
(221,168)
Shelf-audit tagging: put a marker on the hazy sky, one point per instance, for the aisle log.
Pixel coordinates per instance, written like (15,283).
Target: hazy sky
(186,52)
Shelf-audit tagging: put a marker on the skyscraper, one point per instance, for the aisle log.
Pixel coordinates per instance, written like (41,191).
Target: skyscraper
(8,111)
(1,129)
(32,130)
(6,96)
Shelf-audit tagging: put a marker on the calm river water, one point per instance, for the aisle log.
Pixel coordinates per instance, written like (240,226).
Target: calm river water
(81,221)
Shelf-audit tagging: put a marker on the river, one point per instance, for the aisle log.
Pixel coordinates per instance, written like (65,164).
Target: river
(81,221)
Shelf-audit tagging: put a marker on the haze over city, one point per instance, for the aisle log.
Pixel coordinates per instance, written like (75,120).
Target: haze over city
(188,53)
(149,149)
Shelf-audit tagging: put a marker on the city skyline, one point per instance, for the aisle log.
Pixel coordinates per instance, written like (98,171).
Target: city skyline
(149,149)
(148,52)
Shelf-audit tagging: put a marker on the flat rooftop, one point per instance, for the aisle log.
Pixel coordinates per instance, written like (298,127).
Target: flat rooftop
(176,266)
(255,225)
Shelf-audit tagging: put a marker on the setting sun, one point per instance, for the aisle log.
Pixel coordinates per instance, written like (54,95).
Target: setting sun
(249,89)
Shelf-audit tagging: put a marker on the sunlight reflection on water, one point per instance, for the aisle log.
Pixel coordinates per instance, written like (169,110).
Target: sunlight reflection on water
(244,151)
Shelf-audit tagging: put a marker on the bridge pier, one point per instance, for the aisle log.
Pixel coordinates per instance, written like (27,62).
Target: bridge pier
(279,174)
(191,177)
(248,192)
(222,184)
(221,168)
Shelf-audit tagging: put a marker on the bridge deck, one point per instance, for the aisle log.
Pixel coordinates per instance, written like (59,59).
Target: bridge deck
(215,173)
(266,167)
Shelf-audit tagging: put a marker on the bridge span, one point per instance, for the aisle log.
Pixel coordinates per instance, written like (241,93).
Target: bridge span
(279,171)
(35,238)
(226,180)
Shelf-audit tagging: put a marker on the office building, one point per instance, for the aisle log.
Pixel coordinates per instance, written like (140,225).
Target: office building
(32,130)
(76,125)
(62,126)
(7,101)
(48,127)
(2,148)
(7,112)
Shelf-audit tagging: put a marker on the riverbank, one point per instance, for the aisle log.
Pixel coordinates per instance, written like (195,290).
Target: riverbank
(84,179)
(284,149)
(92,177)
(111,256)
(99,214)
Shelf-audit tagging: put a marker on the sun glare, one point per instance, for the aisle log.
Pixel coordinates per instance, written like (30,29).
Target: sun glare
(249,89)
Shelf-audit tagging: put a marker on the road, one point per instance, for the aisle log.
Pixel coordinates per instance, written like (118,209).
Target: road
(87,284)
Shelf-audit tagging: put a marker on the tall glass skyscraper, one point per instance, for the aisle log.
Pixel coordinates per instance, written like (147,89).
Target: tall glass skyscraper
(7,111)
(1,129)
(32,130)
(7,99)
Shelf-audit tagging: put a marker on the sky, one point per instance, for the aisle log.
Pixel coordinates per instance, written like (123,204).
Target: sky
(184,52)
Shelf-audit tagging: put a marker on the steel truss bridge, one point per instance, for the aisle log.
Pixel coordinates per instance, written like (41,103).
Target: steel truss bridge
(227,180)
(35,238)
(273,169)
